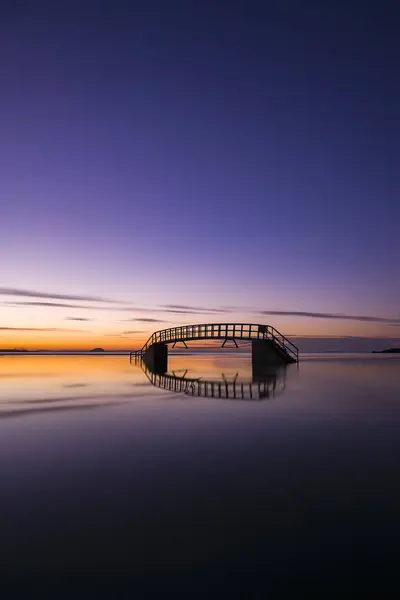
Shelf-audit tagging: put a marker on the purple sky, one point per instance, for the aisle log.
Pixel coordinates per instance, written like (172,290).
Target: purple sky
(200,154)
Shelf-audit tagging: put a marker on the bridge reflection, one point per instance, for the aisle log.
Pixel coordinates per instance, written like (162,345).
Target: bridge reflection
(261,387)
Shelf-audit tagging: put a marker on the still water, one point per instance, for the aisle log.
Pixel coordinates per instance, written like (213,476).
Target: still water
(104,468)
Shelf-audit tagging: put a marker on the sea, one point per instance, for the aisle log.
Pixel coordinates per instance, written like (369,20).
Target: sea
(212,471)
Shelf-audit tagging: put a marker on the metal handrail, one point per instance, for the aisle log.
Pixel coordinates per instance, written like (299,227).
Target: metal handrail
(228,331)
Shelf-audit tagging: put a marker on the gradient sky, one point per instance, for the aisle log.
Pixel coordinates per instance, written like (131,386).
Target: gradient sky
(182,162)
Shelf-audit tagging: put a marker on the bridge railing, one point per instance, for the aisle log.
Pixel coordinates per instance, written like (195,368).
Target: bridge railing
(284,343)
(228,331)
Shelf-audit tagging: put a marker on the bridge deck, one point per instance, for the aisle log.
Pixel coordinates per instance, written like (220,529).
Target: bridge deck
(222,331)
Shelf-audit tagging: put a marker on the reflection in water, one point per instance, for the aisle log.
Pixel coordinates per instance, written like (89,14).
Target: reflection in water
(267,384)
(51,409)
(42,384)
(113,478)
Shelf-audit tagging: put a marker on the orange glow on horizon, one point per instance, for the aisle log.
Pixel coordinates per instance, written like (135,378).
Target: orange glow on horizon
(62,340)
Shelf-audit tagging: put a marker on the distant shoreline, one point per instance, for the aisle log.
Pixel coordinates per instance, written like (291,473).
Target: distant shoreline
(204,351)
(63,353)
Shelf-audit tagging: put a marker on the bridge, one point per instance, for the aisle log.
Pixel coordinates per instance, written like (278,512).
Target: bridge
(269,346)
(272,384)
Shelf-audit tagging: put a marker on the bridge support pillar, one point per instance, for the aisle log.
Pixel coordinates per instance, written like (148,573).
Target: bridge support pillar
(156,358)
(264,354)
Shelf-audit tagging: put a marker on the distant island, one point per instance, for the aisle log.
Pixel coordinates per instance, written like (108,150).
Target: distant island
(387,351)
(13,350)
(97,350)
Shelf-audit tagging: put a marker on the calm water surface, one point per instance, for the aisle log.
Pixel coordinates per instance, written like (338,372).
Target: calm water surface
(101,471)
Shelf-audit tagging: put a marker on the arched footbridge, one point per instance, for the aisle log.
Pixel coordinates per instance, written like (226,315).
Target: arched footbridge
(268,344)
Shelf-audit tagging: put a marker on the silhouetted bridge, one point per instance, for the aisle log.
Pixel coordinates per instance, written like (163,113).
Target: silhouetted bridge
(268,344)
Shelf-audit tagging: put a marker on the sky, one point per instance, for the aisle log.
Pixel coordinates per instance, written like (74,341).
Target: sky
(167,163)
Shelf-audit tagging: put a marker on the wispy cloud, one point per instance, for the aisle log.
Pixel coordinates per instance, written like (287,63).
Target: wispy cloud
(118,335)
(47,304)
(181,309)
(77,319)
(42,329)
(166,308)
(179,312)
(6,291)
(141,309)
(39,303)
(135,309)
(130,331)
(58,305)
(317,315)
(192,309)
(123,334)
(148,320)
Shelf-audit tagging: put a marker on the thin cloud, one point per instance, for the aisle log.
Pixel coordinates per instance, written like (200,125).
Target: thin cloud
(57,305)
(5,291)
(77,319)
(149,320)
(232,308)
(179,312)
(118,335)
(68,305)
(123,333)
(164,309)
(141,309)
(129,332)
(178,309)
(315,315)
(42,329)
(130,309)
(192,309)
(175,311)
